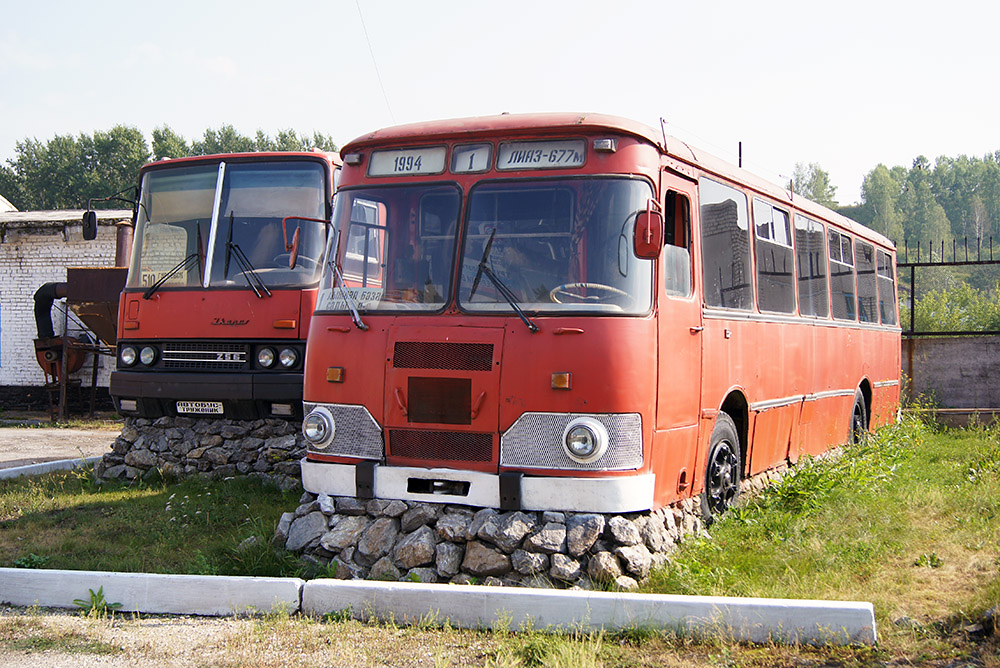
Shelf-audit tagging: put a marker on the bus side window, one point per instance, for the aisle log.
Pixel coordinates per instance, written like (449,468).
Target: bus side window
(725,246)
(676,256)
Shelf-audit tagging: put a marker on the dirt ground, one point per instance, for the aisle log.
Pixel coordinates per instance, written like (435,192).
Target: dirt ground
(23,445)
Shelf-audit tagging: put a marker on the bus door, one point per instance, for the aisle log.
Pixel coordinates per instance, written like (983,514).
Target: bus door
(678,402)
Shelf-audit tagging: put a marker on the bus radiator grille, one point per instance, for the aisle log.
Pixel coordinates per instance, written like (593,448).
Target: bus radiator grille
(208,355)
(441,355)
(457,446)
(535,440)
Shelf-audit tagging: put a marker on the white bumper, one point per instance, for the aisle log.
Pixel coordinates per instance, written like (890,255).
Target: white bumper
(619,494)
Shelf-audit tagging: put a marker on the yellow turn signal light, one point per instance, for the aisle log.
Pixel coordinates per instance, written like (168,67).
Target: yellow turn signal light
(335,374)
(561,380)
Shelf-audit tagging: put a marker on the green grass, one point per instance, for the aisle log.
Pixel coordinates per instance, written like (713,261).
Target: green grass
(63,520)
(909,520)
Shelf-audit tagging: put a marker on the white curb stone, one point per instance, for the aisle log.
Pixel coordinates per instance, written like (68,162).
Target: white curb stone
(472,606)
(151,593)
(46,467)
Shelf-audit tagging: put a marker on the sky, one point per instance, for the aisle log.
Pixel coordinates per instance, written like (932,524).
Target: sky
(847,85)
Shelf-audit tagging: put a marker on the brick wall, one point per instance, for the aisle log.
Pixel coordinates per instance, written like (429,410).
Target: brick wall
(36,248)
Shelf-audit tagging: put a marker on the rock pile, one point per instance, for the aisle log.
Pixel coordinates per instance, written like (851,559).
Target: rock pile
(425,542)
(181,446)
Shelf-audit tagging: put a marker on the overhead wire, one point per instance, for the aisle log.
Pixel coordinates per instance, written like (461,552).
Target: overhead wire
(371,50)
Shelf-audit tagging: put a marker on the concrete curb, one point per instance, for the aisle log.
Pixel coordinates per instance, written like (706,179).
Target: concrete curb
(46,467)
(466,606)
(150,592)
(472,606)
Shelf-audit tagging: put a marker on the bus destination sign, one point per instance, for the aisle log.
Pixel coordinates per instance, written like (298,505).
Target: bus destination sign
(407,161)
(542,154)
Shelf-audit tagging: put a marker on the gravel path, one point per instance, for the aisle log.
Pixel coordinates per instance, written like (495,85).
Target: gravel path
(20,446)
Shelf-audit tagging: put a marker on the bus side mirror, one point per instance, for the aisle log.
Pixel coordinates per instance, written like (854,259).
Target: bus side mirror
(90,225)
(648,238)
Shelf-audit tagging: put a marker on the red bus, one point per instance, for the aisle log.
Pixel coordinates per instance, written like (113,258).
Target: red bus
(578,313)
(221,285)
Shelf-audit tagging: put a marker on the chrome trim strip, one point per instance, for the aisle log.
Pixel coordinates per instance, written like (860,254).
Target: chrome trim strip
(886,383)
(724,314)
(777,403)
(829,395)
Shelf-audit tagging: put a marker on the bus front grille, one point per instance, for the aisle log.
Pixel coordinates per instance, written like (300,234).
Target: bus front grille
(455,446)
(442,355)
(208,355)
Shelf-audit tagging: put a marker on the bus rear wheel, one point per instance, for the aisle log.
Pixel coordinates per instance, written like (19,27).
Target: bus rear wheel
(723,469)
(859,420)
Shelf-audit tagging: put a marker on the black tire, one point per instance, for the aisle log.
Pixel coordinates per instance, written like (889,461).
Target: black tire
(722,470)
(859,420)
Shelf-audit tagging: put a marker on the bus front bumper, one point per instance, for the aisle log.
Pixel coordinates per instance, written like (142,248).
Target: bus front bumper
(616,494)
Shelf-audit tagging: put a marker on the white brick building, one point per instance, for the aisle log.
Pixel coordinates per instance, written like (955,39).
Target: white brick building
(35,248)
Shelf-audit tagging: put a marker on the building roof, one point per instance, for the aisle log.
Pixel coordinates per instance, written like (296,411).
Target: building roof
(5,205)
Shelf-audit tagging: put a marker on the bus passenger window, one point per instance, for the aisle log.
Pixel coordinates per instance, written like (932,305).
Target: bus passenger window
(886,289)
(725,241)
(842,277)
(810,255)
(867,292)
(775,275)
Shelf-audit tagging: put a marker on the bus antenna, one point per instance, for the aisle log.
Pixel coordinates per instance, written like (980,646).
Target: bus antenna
(663,131)
(740,150)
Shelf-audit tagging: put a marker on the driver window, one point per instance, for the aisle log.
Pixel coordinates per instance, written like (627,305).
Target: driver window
(676,255)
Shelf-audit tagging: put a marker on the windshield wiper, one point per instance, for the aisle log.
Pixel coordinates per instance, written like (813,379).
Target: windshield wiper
(185,264)
(500,285)
(249,273)
(338,281)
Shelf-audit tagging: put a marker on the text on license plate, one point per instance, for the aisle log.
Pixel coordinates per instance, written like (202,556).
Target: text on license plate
(199,407)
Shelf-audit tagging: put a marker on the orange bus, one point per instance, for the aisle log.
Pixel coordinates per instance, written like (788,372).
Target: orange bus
(578,313)
(222,282)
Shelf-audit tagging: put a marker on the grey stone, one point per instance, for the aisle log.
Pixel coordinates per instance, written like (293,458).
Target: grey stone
(251,443)
(654,534)
(490,527)
(129,433)
(453,527)
(141,459)
(377,540)
(491,581)
(348,505)
(196,453)
(448,558)
(479,520)
(582,531)
(307,508)
(395,508)
(604,567)
(529,563)
(636,559)
(346,533)
(549,539)
(211,441)
(415,549)
(384,569)
(281,442)
(623,531)
(376,507)
(420,575)
(512,529)
(565,568)
(481,560)
(553,516)
(304,530)
(626,583)
(233,431)
(418,515)
(288,468)
(326,504)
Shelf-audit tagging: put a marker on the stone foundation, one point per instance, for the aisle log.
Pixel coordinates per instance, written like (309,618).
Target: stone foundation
(182,446)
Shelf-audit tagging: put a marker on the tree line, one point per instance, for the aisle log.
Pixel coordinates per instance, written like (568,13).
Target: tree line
(66,171)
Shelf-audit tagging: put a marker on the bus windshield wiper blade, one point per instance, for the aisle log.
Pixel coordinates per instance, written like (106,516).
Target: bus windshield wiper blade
(186,263)
(338,280)
(507,294)
(249,273)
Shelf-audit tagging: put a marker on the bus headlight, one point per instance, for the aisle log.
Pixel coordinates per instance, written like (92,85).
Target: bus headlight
(265,357)
(585,440)
(318,427)
(147,355)
(288,357)
(128,355)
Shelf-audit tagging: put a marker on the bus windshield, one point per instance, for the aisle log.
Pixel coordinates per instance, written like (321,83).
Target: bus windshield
(555,246)
(176,243)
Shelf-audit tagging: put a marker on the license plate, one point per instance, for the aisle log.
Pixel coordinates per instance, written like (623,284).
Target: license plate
(200,407)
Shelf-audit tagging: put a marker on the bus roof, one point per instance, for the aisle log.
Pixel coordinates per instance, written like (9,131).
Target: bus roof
(246,157)
(546,123)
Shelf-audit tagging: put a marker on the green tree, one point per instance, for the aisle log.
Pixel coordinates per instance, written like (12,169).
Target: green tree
(169,144)
(880,193)
(224,140)
(813,182)
(925,221)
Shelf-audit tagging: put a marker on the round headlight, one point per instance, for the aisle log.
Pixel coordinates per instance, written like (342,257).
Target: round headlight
(147,355)
(288,357)
(128,355)
(265,357)
(318,427)
(585,440)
